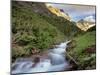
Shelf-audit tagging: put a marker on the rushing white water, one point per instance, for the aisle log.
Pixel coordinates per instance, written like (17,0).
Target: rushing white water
(55,62)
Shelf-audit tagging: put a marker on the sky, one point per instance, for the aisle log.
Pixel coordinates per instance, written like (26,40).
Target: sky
(76,12)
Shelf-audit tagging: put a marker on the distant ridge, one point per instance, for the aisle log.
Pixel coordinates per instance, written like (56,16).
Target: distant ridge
(86,23)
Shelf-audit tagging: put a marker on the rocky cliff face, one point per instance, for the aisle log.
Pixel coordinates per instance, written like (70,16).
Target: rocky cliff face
(86,23)
(58,12)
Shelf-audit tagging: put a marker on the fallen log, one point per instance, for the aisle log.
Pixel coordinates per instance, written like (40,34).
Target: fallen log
(71,59)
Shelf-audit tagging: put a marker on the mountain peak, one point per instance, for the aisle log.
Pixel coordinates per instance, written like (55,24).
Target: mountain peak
(58,12)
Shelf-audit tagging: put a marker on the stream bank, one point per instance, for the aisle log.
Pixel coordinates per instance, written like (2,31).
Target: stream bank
(82,51)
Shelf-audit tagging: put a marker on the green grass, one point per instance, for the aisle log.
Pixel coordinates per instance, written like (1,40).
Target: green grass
(82,42)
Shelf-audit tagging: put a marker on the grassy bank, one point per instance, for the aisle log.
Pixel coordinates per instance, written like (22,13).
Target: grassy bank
(82,49)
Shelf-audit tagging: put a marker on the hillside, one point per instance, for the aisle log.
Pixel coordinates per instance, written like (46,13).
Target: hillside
(82,50)
(34,27)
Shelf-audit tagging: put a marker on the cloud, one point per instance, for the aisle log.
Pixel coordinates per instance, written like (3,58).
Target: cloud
(89,18)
